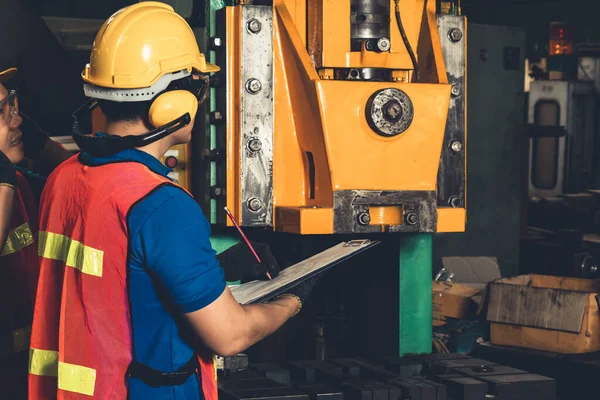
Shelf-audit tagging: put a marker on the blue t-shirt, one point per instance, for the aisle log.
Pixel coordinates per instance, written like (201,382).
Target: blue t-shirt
(172,270)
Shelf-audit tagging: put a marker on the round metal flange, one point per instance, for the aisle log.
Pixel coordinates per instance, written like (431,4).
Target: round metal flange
(389,112)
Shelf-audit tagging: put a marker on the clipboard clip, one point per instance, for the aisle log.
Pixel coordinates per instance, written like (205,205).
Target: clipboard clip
(357,243)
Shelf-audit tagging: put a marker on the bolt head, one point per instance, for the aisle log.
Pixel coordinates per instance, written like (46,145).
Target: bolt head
(456,147)
(364,218)
(455,35)
(411,218)
(216,116)
(254,204)
(254,26)
(455,90)
(216,42)
(383,44)
(392,111)
(254,145)
(253,86)
(455,201)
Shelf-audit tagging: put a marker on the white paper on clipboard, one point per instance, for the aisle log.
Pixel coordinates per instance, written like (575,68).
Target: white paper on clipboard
(261,291)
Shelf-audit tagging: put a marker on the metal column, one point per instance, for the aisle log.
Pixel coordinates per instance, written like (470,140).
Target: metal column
(415,293)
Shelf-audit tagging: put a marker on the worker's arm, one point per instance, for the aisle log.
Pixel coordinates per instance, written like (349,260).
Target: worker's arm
(8,181)
(228,328)
(173,243)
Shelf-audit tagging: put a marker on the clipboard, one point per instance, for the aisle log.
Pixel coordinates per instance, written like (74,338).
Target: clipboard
(263,291)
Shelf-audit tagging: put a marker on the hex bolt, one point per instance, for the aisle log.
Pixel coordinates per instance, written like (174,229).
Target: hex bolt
(216,42)
(254,204)
(217,191)
(411,218)
(455,90)
(455,201)
(254,145)
(392,111)
(364,218)
(253,86)
(254,25)
(216,117)
(383,44)
(456,146)
(455,35)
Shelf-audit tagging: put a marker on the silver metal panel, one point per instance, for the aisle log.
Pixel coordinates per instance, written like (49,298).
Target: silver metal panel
(256,88)
(589,70)
(451,174)
(575,151)
(548,91)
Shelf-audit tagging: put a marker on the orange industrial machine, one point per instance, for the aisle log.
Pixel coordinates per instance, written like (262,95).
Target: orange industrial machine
(339,117)
(336,117)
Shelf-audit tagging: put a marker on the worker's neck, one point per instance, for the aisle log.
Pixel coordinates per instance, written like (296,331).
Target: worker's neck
(138,128)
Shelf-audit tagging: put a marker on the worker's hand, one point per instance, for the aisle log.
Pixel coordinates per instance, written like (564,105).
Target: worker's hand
(239,263)
(8,175)
(303,290)
(34,138)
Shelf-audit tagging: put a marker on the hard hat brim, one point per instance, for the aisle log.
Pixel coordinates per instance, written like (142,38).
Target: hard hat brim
(7,74)
(211,68)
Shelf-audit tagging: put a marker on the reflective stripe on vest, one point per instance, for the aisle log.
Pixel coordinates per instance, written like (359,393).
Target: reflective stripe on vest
(18,239)
(81,336)
(71,378)
(73,253)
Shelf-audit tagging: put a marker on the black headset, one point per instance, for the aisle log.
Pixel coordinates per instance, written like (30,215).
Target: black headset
(178,90)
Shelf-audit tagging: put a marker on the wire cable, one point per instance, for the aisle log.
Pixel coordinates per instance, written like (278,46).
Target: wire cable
(406,42)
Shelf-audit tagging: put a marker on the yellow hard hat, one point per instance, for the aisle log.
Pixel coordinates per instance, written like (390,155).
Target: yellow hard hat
(7,74)
(139,44)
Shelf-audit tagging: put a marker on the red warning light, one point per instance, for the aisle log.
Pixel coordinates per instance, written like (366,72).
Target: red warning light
(561,38)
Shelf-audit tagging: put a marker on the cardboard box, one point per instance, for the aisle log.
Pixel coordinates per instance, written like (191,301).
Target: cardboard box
(453,301)
(545,313)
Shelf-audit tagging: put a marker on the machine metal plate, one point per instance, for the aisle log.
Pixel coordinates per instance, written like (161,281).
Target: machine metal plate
(256,115)
(451,174)
(349,205)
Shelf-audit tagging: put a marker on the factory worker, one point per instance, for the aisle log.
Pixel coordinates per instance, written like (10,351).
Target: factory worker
(19,264)
(132,302)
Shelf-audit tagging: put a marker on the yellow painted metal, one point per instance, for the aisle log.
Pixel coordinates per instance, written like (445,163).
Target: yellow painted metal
(358,158)
(305,220)
(320,124)
(451,219)
(386,215)
(232,18)
(297,10)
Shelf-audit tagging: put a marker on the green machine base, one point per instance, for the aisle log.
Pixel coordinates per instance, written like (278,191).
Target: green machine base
(415,294)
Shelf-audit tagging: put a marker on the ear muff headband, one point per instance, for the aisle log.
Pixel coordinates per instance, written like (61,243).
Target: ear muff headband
(169,112)
(107,145)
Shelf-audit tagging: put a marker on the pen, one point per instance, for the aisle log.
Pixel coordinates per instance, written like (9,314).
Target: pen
(230,215)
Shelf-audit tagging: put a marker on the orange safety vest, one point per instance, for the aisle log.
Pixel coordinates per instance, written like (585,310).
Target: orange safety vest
(19,269)
(81,343)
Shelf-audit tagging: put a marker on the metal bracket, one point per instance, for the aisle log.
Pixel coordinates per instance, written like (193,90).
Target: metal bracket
(419,210)
(451,174)
(256,115)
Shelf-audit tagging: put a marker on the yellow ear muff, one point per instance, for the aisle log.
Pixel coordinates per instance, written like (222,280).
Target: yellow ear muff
(171,105)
